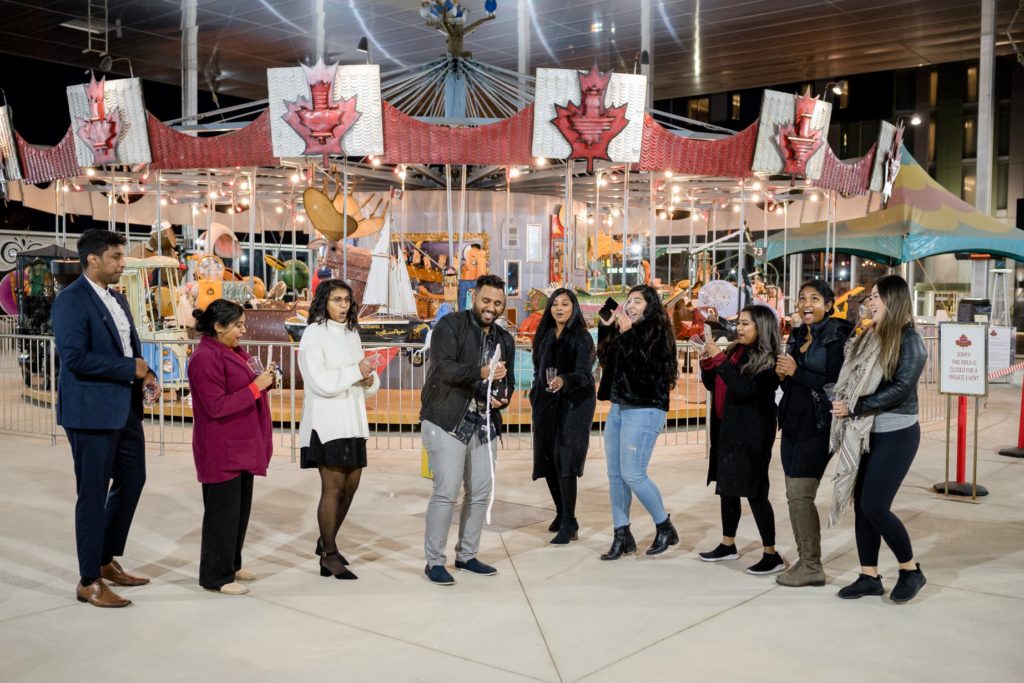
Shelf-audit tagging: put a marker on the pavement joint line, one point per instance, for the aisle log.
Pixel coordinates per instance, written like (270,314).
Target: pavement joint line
(679,632)
(421,646)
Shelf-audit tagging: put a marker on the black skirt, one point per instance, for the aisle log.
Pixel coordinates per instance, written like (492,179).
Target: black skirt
(341,453)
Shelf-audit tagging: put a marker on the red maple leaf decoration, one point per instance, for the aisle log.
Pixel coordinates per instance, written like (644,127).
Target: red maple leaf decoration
(101,130)
(963,341)
(590,128)
(798,140)
(321,123)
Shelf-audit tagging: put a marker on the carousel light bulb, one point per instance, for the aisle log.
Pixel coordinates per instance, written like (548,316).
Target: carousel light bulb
(668,174)
(663,215)
(67,188)
(244,201)
(174,200)
(244,186)
(602,181)
(814,196)
(300,218)
(125,187)
(513,172)
(212,194)
(402,174)
(78,188)
(590,220)
(90,172)
(541,161)
(736,208)
(278,209)
(163,201)
(755,197)
(756,186)
(231,209)
(295,177)
(375,161)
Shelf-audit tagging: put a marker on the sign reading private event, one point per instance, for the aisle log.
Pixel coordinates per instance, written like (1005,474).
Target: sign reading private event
(963,359)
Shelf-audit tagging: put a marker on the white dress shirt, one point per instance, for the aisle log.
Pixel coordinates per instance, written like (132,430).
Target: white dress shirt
(121,322)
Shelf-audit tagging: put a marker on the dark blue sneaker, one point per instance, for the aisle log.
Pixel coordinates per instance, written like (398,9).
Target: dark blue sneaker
(438,575)
(476,566)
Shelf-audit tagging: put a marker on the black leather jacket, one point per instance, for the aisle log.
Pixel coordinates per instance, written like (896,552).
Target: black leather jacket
(453,378)
(898,394)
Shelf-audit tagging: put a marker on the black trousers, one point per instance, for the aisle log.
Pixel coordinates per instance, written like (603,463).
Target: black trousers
(764,516)
(879,476)
(110,471)
(226,507)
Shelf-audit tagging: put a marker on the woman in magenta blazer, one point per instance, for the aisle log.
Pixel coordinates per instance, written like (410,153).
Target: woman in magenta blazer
(231,440)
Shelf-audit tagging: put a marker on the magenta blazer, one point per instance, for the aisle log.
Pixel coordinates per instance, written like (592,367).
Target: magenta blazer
(231,429)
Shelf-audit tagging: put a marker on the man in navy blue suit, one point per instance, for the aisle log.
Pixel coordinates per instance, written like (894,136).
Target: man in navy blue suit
(99,404)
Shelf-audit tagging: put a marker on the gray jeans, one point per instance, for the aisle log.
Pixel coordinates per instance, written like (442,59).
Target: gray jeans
(454,463)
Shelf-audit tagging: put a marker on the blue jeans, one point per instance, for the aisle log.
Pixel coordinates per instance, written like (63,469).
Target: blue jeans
(629,436)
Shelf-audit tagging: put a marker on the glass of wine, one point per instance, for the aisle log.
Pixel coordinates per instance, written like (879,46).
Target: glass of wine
(256,365)
(550,374)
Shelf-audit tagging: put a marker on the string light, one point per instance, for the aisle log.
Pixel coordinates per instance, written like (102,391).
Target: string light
(90,172)
(541,161)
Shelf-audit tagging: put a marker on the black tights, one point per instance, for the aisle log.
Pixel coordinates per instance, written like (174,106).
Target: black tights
(563,493)
(337,489)
(882,470)
(764,516)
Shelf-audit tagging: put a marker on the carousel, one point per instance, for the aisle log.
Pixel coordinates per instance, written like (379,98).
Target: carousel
(411,183)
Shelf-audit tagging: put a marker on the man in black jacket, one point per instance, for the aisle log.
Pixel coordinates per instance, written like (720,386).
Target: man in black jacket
(469,381)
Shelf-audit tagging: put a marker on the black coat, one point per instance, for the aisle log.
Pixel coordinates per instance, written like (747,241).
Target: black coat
(628,377)
(562,420)
(741,442)
(453,377)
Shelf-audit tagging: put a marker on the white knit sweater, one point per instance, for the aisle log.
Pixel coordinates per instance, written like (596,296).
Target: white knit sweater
(333,405)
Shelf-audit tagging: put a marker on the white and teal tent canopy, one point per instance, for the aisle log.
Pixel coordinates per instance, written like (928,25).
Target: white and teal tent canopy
(922,219)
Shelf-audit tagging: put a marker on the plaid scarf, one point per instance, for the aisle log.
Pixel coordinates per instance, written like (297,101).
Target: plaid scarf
(851,436)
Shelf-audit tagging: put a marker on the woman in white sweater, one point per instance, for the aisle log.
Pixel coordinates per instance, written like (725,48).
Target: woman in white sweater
(334,428)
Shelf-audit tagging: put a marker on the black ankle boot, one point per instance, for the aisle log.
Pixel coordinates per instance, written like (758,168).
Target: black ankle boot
(556,524)
(665,537)
(623,543)
(567,532)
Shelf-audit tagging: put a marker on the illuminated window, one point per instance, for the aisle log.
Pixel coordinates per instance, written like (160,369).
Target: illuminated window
(698,109)
(970,137)
(1002,184)
(931,142)
(971,93)
(967,185)
(844,96)
(734,107)
(933,89)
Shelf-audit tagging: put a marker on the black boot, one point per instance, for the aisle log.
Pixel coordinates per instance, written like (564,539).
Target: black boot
(556,524)
(567,532)
(623,543)
(665,537)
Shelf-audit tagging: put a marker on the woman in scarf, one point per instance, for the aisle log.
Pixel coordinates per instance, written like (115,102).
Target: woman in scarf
(813,358)
(638,359)
(876,433)
(563,402)
(742,382)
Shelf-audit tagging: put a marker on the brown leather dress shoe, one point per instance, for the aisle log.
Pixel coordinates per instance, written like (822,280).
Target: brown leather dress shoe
(97,593)
(114,574)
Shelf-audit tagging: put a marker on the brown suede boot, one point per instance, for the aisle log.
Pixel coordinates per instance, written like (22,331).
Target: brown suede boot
(800,493)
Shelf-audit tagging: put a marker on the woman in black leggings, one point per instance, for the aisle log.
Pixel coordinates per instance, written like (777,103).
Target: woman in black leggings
(894,346)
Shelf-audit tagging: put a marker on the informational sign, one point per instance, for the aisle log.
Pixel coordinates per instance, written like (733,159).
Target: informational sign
(963,363)
(1001,341)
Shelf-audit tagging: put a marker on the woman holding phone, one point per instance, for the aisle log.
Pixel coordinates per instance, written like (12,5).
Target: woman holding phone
(334,429)
(563,401)
(637,352)
(231,439)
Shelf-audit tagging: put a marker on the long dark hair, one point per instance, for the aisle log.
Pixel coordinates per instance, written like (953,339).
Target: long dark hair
(574,325)
(657,345)
(763,355)
(899,312)
(822,288)
(218,311)
(318,309)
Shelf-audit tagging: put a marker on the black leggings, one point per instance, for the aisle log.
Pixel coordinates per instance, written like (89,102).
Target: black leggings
(881,471)
(764,516)
(563,492)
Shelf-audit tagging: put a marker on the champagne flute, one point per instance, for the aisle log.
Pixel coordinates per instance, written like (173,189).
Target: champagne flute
(550,374)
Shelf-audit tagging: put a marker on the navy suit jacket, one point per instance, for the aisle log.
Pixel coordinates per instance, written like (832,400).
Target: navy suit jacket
(96,386)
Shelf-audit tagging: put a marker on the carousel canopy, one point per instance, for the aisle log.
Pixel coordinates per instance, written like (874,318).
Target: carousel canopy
(922,219)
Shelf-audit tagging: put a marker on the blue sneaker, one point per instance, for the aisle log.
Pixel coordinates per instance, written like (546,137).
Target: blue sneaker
(476,566)
(438,575)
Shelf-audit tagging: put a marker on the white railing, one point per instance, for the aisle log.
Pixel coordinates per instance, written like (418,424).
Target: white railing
(28,367)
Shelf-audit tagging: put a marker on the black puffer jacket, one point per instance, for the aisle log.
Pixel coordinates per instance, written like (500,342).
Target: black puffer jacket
(628,377)
(898,394)
(816,368)
(453,379)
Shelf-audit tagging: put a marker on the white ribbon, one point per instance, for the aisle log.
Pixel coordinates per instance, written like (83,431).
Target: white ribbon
(493,363)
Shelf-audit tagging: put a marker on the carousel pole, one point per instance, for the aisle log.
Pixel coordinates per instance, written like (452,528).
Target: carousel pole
(252,228)
(570,215)
(785,256)
(462,214)
(741,260)
(625,224)
(508,203)
(344,219)
(597,226)
(111,223)
(651,221)
(451,227)
(689,245)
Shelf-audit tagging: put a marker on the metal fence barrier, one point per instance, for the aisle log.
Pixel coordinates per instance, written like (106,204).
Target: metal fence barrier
(28,369)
